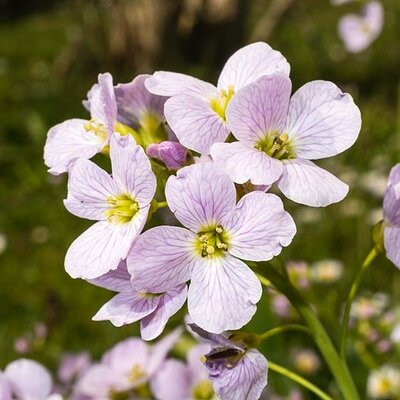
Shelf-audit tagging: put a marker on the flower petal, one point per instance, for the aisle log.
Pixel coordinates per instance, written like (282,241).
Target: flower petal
(214,338)
(260,227)
(200,195)
(250,63)
(101,247)
(162,258)
(391,199)
(195,123)
(322,121)
(103,106)
(29,379)
(245,381)
(169,84)
(89,186)
(68,141)
(126,308)
(118,280)
(5,388)
(243,163)
(172,371)
(169,303)
(135,101)
(392,244)
(305,183)
(223,294)
(131,169)
(259,108)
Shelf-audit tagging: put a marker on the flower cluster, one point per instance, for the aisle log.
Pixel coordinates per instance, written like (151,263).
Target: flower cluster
(209,153)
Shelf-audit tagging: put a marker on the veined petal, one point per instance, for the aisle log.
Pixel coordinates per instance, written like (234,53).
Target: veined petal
(170,84)
(223,294)
(305,183)
(250,63)
(131,169)
(200,195)
(322,121)
(29,379)
(391,199)
(135,101)
(259,108)
(162,258)
(103,106)
(118,280)
(214,338)
(260,227)
(172,371)
(195,123)
(126,308)
(392,244)
(169,304)
(245,381)
(243,163)
(101,247)
(89,186)
(68,141)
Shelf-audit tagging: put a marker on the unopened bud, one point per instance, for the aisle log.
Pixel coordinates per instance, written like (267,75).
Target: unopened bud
(172,154)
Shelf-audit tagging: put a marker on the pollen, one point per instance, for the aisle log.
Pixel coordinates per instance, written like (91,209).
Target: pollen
(122,208)
(276,145)
(220,102)
(212,241)
(96,128)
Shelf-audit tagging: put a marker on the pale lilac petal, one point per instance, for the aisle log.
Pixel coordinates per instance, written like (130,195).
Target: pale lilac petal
(194,361)
(162,258)
(260,227)
(392,244)
(134,101)
(212,338)
(103,107)
(68,141)
(29,379)
(391,201)
(172,381)
(195,123)
(169,304)
(305,183)
(200,195)
(223,294)
(5,388)
(101,247)
(73,366)
(243,163)
(259,108)
(89,186)
(118,280)
(160,350)
(126,308)
(131,169)
(250,63)
(245,381)
(173,84)
(322,121)
(374,15)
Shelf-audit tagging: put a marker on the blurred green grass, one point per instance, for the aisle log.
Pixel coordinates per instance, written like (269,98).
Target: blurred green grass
(37,91)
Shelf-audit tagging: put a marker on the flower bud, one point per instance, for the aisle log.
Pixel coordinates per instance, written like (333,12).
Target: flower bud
(172,154)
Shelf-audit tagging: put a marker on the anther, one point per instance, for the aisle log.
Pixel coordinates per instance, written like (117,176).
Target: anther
(210,250)
(219,229)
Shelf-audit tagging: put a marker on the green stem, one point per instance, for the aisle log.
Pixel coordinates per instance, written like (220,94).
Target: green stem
(284,328)
(337,366)
(265,282)
(298,379)
(353,290)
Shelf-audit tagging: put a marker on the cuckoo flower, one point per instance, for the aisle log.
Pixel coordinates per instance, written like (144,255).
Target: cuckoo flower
(223,291)
(196,109)
(359,31)
(236,371)
(391,210)
(190,379)
(119,203)
(128,365)
(79,138)
(172,154)
(279,135)
(130,305)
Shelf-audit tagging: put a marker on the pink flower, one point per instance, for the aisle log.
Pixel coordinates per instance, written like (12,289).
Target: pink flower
(224,291)
(119,203)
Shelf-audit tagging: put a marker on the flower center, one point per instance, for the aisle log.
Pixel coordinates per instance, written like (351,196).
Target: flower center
(137,372)
(212,242)
(276,145)
(122,208)
(221,101)
(203,390)
(97,128)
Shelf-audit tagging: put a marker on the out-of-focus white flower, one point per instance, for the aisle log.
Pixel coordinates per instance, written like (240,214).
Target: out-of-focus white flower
(374,182)
(3,243)
(326,271)
(395,335)
(306,361)
(368,307)
(384,383)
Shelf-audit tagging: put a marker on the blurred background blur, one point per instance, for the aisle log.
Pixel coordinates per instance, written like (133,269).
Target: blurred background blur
(50,54)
